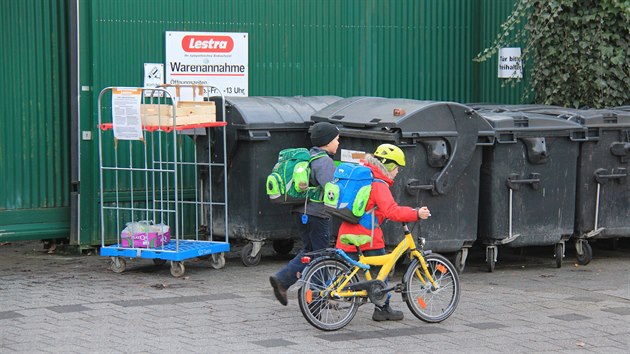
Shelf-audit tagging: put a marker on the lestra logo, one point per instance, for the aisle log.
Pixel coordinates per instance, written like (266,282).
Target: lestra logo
(208,44)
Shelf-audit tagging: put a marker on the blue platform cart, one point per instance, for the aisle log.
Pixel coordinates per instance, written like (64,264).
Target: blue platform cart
(158,148)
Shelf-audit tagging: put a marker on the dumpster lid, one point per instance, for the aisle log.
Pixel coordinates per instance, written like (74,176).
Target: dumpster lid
(586,117)
(267,112)
(525,122)
(499,108)
(412,117)
(599,118)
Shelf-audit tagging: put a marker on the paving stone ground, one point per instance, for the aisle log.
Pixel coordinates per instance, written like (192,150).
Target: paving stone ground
(55,303)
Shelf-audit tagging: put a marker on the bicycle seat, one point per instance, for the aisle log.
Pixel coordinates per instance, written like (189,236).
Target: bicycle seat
(355,240)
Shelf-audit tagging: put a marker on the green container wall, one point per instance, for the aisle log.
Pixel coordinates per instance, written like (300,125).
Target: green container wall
(407,48)
(34,120)
(487,86)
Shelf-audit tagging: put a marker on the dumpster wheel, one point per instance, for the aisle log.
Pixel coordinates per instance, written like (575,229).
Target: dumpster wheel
(284,246)
(586,255)
(491,257)
(559,254)
(460,260)
(246,255)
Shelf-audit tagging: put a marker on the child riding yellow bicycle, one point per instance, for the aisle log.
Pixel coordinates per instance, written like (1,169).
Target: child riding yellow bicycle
(385,164)
(331,289)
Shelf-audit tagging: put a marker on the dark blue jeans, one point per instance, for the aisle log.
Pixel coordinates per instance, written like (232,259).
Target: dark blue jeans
(315,235)
(373,270)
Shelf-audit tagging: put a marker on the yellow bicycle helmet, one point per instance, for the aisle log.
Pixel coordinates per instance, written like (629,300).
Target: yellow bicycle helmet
(390,153)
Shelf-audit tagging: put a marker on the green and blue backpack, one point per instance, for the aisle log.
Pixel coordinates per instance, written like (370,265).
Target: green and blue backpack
(347,195)
(291,170)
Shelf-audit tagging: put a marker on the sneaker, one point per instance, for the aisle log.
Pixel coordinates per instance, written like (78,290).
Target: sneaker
(386,313)
(278,290)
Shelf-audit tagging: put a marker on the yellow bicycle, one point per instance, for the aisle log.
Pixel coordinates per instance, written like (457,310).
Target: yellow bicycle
(331,292)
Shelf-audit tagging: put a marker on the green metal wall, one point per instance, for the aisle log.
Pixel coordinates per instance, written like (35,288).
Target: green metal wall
(419,49)
(486,86)
(34,120)
(402,48)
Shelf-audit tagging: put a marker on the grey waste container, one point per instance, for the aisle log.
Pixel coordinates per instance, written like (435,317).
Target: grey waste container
(258,128)
(603,192)
(528,181)
(441,141)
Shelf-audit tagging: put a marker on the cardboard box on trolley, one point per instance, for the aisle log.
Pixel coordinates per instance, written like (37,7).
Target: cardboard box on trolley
(143,235)
(186,113)
(191,108)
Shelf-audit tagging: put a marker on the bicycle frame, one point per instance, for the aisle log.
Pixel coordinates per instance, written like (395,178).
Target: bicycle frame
(386,262)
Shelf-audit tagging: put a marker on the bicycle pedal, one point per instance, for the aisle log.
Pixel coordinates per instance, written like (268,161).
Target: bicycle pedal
(398,288)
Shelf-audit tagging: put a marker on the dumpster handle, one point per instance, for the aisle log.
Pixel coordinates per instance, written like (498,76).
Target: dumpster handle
(514,183)
(620,148)
(618,173)
(258,135)
(413,186)
(601,178)
(511,237)
(596,230)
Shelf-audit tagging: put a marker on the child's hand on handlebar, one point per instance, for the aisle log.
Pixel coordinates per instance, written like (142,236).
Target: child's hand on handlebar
(424,213)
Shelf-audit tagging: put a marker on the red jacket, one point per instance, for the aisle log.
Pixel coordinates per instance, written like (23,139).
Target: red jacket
(387,208)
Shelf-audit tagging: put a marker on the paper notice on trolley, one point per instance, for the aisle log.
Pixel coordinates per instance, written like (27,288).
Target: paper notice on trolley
(126,113)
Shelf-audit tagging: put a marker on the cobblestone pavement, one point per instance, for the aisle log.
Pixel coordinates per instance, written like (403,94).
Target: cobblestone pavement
(76,304)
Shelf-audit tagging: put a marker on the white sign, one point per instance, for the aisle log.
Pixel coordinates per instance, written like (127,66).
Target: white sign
(351,155)
(126,113)
(210,59)
(510,63)
(153,77)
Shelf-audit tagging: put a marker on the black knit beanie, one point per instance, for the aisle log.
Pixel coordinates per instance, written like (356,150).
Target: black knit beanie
(323,133)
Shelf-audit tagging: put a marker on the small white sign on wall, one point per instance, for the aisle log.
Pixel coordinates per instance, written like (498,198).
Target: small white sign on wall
(510,63)
(153,77)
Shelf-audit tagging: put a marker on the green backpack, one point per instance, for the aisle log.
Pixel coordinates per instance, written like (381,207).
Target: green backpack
(292,170)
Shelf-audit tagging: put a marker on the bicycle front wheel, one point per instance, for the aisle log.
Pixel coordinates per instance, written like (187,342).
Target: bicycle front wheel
(318,307)
(425,301)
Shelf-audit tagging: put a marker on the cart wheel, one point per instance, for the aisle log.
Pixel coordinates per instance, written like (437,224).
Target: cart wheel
(158,261)
(177,269)
(118,264)
(490,258)
(587,253)
(247,258)
(283,247)
(459,264)
(218,260)
(559,254)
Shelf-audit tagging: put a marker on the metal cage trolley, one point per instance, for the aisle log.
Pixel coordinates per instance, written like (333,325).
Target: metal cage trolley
(158,148)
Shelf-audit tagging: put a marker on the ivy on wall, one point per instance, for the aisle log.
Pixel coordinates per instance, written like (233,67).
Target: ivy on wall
(577,52)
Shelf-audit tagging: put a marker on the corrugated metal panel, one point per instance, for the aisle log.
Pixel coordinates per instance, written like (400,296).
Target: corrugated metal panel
(408,48)
(488,87)
(34,122)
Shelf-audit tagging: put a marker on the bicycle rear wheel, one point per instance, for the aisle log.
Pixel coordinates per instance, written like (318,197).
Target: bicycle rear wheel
(319,309)
(423,299)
